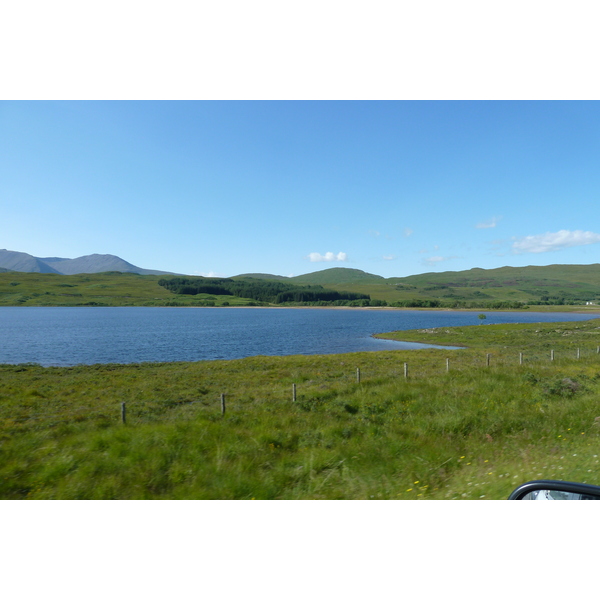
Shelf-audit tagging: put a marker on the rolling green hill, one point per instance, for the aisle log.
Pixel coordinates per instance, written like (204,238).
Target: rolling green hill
(98,289)
(114,288)
(262,276)
(337,276)
(552,285)
(506,287)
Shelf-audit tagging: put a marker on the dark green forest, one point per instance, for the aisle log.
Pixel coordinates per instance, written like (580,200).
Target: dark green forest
(261,290)
(491,305)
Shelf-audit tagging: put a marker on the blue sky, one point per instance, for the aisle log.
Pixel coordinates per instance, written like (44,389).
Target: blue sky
(394,188)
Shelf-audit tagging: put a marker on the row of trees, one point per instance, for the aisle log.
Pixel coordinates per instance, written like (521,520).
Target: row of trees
(494,304)
(279,292)
(557,302)
(355,303)
(303,295)
(261,290)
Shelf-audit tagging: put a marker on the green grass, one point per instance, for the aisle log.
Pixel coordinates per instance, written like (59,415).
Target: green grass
(99,289)
(476,431)
(336,276)
(572,283)
(521,284)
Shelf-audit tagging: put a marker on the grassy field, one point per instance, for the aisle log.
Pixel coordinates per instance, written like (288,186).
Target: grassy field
(573,283)
(576,284)
(473,431)
(99,289)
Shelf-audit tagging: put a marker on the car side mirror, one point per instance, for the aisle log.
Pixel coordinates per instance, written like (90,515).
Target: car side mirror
(546,489)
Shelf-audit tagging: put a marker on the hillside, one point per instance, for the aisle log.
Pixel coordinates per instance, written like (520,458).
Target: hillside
(336,276)
(263,290)
(93,263)
(99,289)
(262,276)
(552,284)
(507,287)
(551,275)
(549,285)
(20,261)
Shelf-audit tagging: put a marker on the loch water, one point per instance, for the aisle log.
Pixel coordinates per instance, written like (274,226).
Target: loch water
(65,336)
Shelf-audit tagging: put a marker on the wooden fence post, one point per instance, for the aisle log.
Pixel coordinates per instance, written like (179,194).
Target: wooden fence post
(358,375)
(222,404)
(487,360)
(551,354)
(447,365)
(123,415)
(293,392)
(520,358)
(405,370)
(578,353)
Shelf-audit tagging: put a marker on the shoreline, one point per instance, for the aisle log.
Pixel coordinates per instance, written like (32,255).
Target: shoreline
(389,328)
(546,309)
(531,309)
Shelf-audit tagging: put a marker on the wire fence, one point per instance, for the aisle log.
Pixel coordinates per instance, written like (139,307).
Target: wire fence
(419,369)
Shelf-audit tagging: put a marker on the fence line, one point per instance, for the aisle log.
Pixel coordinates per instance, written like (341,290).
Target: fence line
(503,362)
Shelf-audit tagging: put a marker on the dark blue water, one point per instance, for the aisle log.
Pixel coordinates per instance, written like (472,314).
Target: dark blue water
(70,336)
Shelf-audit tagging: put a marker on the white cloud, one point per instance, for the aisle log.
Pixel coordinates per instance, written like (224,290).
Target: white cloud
(407,232)
(328,257)
(389,257)
(374,233)
(548,242)
(432,260)
(488,224)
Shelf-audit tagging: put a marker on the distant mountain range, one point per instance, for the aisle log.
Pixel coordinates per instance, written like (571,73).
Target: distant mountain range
(551,284)
(505,287)
(93,263)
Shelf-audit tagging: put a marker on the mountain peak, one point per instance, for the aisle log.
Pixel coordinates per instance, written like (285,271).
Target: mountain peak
(337,275)
(92,263)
